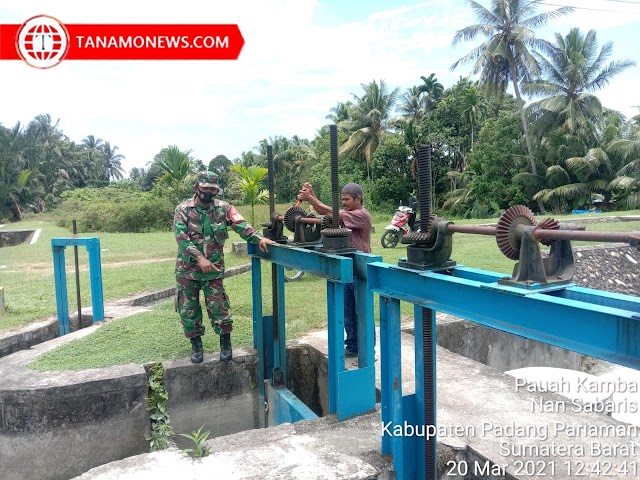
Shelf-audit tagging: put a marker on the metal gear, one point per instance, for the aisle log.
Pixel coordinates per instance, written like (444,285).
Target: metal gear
(336,232)
(548,224)
(327,221)
(506,229)
(291,215)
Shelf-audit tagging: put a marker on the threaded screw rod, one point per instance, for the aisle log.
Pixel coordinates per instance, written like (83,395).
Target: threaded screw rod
(429,392)
(333,141)
(424,180)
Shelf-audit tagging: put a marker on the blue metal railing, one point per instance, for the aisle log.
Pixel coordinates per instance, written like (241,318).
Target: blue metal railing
(58,246)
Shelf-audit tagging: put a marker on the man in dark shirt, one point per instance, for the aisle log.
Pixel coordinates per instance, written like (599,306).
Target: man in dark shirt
(356,218)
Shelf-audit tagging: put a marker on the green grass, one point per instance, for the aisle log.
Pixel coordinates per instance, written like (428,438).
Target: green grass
(157,335)
(131,263)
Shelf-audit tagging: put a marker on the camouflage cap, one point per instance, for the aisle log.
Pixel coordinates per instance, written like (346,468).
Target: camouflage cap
(207,179)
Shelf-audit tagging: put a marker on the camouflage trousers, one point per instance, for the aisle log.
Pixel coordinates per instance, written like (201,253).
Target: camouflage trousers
(187,305)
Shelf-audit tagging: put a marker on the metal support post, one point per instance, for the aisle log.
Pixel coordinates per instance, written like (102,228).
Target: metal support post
(351,392)
(335,328)
(92,245)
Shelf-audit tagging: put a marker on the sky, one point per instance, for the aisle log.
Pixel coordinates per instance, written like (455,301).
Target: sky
(300,58)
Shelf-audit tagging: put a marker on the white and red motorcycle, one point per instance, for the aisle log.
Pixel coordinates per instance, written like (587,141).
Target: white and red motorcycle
(398,227)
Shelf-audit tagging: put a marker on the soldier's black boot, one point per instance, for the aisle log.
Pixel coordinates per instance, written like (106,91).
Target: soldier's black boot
(225,347)
(197,355)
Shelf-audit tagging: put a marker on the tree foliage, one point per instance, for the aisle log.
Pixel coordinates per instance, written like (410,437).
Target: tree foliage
(489,149)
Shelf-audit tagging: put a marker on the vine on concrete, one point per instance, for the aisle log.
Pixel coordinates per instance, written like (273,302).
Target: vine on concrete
(161,430)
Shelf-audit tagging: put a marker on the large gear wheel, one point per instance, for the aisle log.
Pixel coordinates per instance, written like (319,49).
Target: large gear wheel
(291,215)
(327,221)
(548,224)
(506,230)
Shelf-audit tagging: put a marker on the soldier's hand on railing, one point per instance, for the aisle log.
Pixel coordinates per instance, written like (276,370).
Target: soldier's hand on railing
(264,244)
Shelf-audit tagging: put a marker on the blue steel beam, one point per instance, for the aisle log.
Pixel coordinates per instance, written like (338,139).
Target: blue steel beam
(344,399)
(364,307)
(95,280)
(60,281)
(606,326)
(256,288)
(92,245)
(271,353)
(280,345)
(332,267)
(335,342)
(285,407)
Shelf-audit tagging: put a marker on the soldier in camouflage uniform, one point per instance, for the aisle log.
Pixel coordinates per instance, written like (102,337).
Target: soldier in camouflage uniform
(200,226)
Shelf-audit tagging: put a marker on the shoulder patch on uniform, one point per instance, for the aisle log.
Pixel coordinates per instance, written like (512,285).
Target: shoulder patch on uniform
(235,215)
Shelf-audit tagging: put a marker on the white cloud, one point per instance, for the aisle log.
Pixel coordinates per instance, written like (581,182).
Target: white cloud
(291,71)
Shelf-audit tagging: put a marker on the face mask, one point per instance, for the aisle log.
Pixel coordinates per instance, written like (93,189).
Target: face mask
(206,197)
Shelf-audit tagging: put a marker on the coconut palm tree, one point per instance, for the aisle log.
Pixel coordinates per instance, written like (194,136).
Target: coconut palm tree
(413,104)
(628,179)
(590,174)
(175,163)
(340,112)
(113,168)
(504,56)
(572,69)
(369,120)
(474,108)
(432,90)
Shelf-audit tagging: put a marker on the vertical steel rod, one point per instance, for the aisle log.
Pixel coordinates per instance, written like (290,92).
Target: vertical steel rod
(271,186)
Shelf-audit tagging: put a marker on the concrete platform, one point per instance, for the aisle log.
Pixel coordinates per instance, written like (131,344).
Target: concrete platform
(323,449)
(483,416)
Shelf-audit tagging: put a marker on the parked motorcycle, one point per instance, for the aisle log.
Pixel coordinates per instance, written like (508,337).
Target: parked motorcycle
(291,274)
(398,227)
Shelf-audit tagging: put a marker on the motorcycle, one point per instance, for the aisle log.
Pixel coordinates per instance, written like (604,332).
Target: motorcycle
(291,274)
(398,227)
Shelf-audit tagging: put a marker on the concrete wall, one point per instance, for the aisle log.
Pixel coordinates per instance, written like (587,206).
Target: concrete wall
(57,425)
(56,432)
(308,377)
(222,396)
(500,350)
(9,238)
(33,334)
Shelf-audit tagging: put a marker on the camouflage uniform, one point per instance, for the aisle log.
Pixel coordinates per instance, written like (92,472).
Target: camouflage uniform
(202,231)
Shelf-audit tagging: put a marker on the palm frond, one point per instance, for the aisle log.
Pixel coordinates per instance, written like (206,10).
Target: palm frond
(624,183)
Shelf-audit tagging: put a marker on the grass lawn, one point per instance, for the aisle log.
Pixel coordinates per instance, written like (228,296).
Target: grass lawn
(131,263)
(144,262)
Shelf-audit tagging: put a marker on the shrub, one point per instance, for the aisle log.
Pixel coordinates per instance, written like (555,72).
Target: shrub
(115,210)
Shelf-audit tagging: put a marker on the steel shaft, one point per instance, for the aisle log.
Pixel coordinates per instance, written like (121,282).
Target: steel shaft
(622,237)
(575,233)
(473,229)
